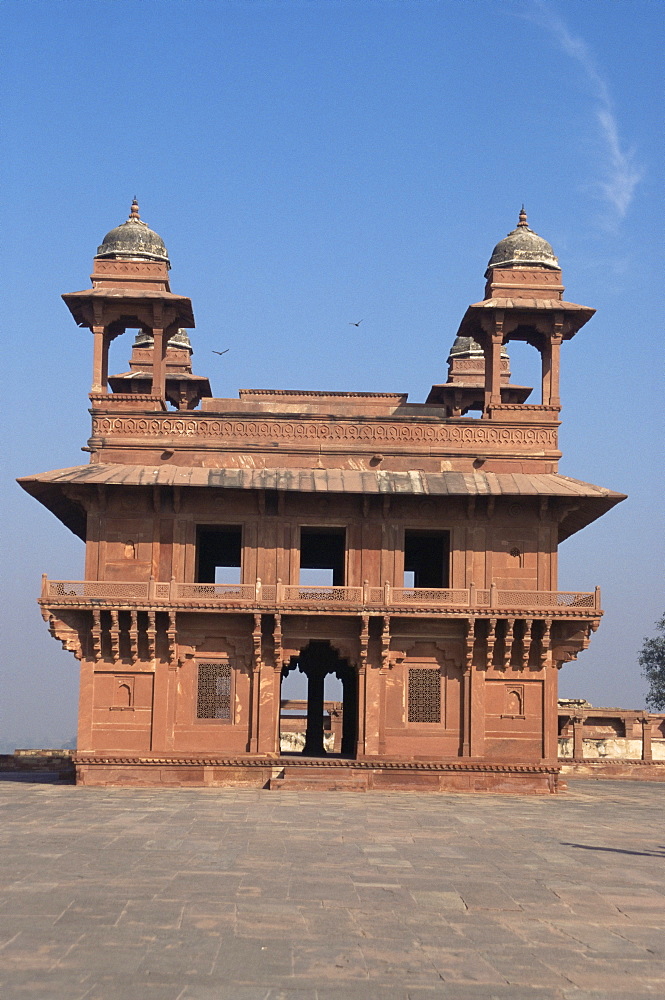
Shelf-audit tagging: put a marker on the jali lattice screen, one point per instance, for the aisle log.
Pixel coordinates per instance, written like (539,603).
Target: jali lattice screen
(214,694)
(424,695)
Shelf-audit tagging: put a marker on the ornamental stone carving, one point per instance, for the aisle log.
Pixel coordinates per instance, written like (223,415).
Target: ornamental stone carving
(225,432)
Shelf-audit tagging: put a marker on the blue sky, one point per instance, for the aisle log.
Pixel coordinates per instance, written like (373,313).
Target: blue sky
(313,163)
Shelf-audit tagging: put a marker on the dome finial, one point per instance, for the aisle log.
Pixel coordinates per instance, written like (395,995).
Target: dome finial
(133,239)
(523,248)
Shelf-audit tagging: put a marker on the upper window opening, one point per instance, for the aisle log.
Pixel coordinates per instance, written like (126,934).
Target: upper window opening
(219,551)
(426,558)
(322,556)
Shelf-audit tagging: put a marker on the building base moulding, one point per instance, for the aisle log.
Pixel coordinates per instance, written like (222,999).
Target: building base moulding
(279,774)
(633,770)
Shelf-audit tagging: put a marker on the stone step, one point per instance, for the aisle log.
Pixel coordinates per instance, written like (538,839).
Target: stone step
(320,780)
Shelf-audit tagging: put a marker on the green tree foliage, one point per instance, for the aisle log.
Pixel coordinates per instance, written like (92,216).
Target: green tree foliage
(652,661)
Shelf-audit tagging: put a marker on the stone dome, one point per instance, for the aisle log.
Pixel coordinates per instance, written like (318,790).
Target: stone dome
(133,239)
(522,248)
(180,340)
(467,347)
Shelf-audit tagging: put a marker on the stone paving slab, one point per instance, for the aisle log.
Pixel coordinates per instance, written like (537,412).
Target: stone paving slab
(239,894)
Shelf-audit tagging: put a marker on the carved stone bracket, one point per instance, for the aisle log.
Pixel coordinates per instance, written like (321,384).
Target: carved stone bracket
(96,633)
(469,642)
(277,643)
(545,640)
(133,635)
(508,642)
(257,658)
(67,635)
(172,633)
(385,643)
(364,642)
(115,635)
(151,633)
(491,639)
(526,641)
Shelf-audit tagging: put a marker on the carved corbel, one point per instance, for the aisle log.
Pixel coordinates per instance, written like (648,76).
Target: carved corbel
(69,637)
(277,642)
(491,639)
(586,638)
(156,499)
(508,642)
(96,633)
(469,642)
(545,641)
(491,501)
(364,642)
(171,634)
(115,635)
(385,643)
(526,641)
(133,636)
(256,643)
(151,633)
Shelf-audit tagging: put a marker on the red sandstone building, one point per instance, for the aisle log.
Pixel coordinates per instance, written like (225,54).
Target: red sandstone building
(438,530)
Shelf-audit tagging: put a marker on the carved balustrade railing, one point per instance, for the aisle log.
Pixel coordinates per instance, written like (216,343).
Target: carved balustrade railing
(312,594)
(315,597)
(107,590)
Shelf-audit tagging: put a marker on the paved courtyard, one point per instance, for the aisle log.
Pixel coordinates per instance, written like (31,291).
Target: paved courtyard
(190,894)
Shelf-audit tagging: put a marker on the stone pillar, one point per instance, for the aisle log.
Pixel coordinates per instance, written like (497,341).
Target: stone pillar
(578,734)
(546,371)
(362,680)
(100,362)
(160,708)
(86,694)
(555,364)
(159,363)
(492,354)
(314,734)
(373,681)
(646,738)
(255,685)
(477,712)
(550,712)
(349,728)
(337,723)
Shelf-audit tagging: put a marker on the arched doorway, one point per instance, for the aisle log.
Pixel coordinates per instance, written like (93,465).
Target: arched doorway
(316,661)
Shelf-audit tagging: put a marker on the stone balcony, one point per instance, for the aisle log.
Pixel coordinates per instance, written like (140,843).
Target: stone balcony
(260,597)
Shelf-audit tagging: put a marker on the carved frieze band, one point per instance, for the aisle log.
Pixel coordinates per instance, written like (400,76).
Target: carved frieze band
(345,432)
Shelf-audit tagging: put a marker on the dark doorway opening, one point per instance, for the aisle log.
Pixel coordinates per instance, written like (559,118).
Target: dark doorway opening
(316,661)
(322,556)
(426,558)
(218,554)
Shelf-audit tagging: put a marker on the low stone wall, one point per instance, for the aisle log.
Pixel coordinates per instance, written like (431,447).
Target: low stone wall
(619,770)
(49,761)
(295,742)
(610,748)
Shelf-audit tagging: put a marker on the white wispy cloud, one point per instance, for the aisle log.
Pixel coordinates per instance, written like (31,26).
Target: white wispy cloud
(620,173)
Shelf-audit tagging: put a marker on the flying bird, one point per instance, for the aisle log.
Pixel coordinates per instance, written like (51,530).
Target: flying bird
(356,324)
(222,352)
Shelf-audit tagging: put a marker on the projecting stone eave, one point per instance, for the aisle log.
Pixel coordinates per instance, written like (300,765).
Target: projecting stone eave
(578,503)
(575,316)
